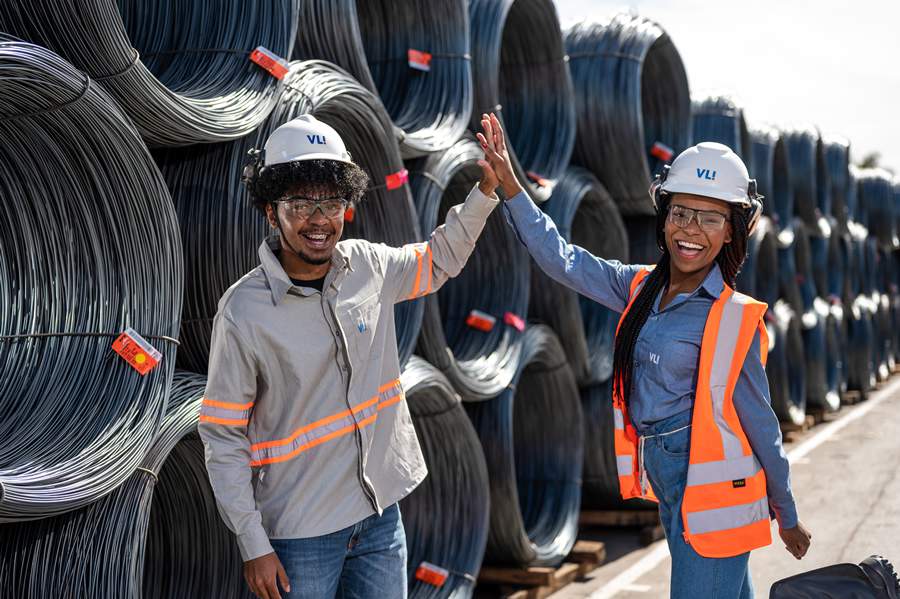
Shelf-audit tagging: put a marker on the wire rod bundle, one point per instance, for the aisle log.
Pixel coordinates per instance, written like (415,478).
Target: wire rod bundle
(861,374)
(533,441)
(837,162)
(795,275)
(786,364)
(632,102)
(720,119)
(158,535)
(587,216)
(759,275)
(828,255)
(215,213)
(480,363)
(821,352)
(521,74)
(642,242)
(446,517)
(372,40)
(188,78)
(803,156)
(876,205)
(771,170)
(88,246)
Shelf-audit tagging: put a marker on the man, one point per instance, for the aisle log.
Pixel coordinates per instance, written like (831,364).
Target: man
(309,442)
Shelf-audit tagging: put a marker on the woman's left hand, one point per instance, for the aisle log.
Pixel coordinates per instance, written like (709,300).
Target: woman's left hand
(796,540)
(493,144)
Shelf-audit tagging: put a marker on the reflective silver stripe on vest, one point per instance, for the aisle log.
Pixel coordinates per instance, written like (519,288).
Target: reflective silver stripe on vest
(728,517)
(619,418)
(722,471)
(624,465)
(726,340)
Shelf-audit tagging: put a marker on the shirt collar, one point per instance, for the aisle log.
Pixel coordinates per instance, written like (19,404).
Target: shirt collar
(713,284)
(278,280)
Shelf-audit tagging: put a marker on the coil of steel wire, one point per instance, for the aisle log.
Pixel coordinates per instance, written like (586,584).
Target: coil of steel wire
(632,102)
(643,246)
(828,255)
(820,344)
(876,205)
(861,375)
(414,54)
(804,157)
(446,517)
(88,247)
(521,74)
(587,216)
(215,213)
(759,275)
(771,170)
(479,357)
(181,71)
(720,119)
(533,442)
(786,364)
(837,162)
(795,276)
(158,535)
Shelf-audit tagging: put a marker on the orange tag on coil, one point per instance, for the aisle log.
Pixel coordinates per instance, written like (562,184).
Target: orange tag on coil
(396,180)
(538,179)
(514,320)
(349,213)
(431,574)
(662,151)
(270,61)
(421,61)
(137,351)
(481,321)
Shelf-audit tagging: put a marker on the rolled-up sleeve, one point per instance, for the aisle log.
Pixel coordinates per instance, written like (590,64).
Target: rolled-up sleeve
(607,282)
(753,405)
(224,418)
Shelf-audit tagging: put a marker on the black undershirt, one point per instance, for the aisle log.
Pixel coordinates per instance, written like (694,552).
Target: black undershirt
(316,284)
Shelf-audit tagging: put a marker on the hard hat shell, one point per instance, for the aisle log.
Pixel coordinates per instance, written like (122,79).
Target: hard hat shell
(712,170)
(305,138)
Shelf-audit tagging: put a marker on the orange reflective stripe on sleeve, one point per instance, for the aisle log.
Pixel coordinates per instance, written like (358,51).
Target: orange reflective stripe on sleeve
(424,265)
(224,412)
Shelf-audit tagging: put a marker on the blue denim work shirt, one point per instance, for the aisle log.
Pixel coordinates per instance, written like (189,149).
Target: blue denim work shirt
(668,347)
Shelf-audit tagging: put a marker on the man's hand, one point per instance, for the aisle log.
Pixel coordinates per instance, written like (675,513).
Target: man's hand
(263,574)
(493,144)
(796,540)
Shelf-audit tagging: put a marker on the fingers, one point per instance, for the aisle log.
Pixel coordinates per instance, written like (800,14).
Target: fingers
(283,577)
(272,588)
(489,152)
(499,137)
(488,129)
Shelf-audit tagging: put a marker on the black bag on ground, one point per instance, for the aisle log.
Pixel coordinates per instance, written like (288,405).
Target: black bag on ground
(873,578)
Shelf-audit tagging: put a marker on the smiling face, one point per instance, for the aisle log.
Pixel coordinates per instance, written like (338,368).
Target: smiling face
(312,238)
(694,248)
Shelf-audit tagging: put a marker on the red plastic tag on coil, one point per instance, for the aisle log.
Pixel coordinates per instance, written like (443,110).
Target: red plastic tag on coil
(270,61)
(137,351)
(481,321)
(396,180)
(514,320)
(431,574)
(542,182)
(349,213)
(662,151)
(421,61)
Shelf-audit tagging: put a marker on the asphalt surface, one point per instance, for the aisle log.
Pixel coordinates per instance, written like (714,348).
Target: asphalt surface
(846,479)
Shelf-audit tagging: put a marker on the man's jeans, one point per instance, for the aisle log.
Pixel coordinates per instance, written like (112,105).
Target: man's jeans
(666,460)
(366,560)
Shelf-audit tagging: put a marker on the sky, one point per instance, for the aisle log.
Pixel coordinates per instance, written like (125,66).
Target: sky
(834,65)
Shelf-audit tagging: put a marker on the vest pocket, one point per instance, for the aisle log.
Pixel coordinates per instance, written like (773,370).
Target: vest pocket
(677,445)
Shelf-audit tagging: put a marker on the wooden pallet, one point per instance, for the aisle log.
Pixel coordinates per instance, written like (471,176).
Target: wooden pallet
(852,398)
(544,581)
(790,427)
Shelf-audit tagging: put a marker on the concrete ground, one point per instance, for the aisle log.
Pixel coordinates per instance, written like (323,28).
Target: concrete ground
(845,478)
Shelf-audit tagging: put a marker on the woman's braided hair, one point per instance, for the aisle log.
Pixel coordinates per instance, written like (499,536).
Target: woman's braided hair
(730,260)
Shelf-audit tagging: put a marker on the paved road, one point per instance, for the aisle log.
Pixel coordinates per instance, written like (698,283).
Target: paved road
(847,485)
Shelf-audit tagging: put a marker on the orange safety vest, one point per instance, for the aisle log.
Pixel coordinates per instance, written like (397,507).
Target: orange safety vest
(725,508)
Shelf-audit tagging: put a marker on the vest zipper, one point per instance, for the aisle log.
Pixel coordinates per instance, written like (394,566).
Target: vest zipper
(360,474)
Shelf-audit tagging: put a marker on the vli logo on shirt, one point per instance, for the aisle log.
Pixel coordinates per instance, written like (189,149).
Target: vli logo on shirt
(361,325)
(654,358)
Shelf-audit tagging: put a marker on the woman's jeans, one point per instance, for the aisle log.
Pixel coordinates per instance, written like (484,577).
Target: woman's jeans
(363,561)
(666,461)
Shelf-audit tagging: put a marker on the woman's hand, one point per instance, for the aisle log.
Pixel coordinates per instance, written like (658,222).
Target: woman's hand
(796,540)
(493,143)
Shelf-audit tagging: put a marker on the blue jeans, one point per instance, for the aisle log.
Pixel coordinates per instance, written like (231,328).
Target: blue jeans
(666,461)
(362,561)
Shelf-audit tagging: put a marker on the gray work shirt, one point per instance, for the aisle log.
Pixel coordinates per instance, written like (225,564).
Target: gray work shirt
(304,422)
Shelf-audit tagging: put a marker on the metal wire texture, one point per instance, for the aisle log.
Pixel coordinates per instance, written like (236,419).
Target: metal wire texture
(520,73)
(837,161)
(720,119)
(631,92)
(371,40)
(876,205)
(771,170)
(222,230)
(785,367)
(758,277)
(495,281)
(89,245)
(585,215)
(446,517)
(180,70)
(805,156)
(533,442)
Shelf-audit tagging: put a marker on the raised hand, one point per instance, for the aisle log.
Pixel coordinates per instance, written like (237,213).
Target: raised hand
(493,144)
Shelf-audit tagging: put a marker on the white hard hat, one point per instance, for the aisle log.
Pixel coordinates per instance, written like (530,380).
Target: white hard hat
(305,138)
(711,170)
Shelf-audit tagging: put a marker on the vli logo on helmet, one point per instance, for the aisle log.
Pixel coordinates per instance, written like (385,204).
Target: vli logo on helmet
(705,173)
(316,139)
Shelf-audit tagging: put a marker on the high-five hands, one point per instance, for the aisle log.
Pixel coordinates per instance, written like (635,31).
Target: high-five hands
(496,164)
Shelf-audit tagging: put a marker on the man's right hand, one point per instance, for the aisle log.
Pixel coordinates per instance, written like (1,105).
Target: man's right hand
(263,574)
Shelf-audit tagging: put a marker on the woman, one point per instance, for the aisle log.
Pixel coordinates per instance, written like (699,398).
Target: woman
(694,427)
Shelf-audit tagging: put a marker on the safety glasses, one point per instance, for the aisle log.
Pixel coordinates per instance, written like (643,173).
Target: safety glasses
(303,208)
(708,220)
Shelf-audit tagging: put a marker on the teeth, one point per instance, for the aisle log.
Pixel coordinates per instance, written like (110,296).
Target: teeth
(690,246)
(317,236)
